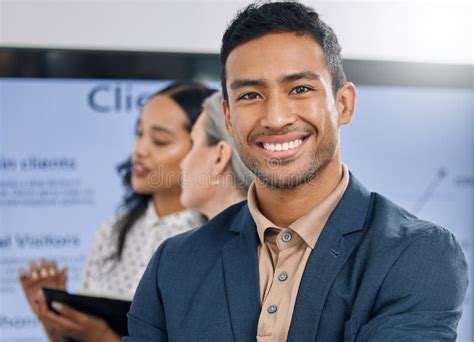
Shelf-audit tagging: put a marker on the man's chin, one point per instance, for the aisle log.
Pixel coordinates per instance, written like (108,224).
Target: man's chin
(281,181)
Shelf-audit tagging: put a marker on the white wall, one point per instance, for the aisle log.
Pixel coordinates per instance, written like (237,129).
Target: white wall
(433,31)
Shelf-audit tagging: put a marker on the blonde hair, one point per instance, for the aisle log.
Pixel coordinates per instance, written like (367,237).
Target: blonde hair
(215,129)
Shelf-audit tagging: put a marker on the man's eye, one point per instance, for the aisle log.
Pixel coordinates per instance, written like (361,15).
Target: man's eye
(300,90)
(249,96)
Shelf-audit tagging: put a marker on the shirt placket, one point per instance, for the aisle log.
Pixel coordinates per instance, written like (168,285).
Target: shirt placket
(277,297)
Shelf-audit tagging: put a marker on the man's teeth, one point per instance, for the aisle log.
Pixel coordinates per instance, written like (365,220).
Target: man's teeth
(283,147)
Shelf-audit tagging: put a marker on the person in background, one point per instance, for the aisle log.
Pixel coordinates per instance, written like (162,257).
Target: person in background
(151,213)
(213,175)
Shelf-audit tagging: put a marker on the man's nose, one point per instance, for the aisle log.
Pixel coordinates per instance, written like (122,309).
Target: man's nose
(277,113)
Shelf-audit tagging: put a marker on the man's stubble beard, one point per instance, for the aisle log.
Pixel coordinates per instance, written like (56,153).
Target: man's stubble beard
(320,158)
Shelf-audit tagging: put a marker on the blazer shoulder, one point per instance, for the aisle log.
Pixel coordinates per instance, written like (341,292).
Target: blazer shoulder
(395,239)
(391,222)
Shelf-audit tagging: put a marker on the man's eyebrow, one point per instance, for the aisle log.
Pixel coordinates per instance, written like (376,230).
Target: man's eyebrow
(240,83)
(301,75)
(237,84)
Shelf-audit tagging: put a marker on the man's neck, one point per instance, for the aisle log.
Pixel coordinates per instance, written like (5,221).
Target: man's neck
(284,206)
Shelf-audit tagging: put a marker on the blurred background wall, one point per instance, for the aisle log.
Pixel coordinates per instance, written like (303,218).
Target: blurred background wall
(415,31)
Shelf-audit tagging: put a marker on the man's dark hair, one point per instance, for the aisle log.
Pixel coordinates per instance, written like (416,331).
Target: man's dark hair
(259,19)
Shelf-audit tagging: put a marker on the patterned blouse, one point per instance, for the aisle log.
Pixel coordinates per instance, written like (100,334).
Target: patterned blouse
(119,279)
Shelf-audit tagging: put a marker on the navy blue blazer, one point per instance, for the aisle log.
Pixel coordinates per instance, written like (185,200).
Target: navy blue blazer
(377,273)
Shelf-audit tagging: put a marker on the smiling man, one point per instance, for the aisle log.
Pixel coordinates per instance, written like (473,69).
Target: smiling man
(312,255)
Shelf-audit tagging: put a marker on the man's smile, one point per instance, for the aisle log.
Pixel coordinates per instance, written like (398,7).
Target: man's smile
(282,146)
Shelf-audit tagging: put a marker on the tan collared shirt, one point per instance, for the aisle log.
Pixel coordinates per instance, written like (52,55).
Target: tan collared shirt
(283,254)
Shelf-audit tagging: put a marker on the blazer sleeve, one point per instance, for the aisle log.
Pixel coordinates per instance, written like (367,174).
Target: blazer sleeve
(146,318)
(422,295)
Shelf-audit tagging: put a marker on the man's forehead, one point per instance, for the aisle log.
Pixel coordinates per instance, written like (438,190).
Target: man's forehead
(275,55)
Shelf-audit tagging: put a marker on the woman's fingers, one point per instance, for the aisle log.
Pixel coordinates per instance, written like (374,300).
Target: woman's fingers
(52,268)
(33,270)
(92,328)
(71,314)
(62,278)
(62,324)
(22,274)
(25,281)
(43,268)
(43,275)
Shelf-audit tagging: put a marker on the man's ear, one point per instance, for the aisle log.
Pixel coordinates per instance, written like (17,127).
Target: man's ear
(222,157)
(228,124)
(345,103)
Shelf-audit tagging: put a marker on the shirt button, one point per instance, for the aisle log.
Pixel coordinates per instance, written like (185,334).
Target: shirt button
(272,309)
(286,237)
(283,276)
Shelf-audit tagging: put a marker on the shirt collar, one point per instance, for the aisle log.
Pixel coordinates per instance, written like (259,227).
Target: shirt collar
(151,217)
(261,221)
(309,226)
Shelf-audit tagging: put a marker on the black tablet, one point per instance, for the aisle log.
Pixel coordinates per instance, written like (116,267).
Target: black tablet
(113,311)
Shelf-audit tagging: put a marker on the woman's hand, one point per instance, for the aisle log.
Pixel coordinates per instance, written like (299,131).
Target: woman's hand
(73,323)
(46,274)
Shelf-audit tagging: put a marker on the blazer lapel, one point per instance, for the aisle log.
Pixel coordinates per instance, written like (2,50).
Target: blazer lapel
(325,261)
(241,276)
